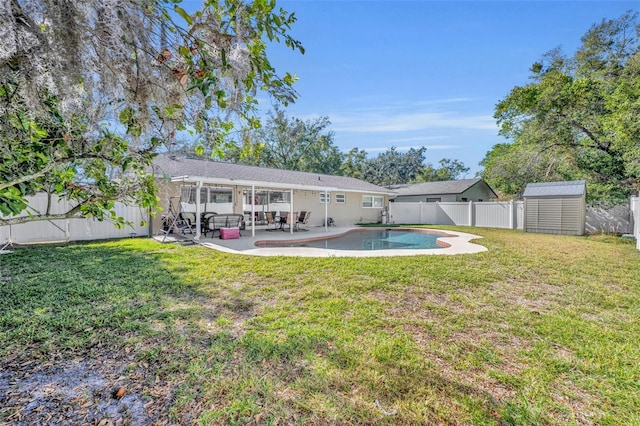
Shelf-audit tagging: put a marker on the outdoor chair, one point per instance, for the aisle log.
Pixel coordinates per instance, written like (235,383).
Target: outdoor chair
(304,221)
(271,221)
(291,220)
(301,216)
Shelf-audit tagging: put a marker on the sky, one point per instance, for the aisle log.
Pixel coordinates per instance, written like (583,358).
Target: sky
(424,73)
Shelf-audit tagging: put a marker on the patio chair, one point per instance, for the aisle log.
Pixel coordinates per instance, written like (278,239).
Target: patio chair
(301,216)
(292,220)
(304,221)
(271,221)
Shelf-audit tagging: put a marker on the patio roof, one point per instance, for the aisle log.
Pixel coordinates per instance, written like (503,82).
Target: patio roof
(214,172)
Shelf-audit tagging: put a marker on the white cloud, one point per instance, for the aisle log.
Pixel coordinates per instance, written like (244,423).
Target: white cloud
(407,122)
(407,148)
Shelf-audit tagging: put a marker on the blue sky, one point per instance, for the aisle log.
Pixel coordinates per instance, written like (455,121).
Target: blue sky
(424,73)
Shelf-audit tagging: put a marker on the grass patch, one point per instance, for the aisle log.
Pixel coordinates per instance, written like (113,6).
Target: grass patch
(538,330)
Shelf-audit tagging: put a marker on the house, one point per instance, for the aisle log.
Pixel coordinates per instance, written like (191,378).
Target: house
(227,188)
(450,190)
(555,207)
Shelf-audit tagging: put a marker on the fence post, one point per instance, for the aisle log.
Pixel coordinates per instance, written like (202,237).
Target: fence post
(512,212)
(472,221)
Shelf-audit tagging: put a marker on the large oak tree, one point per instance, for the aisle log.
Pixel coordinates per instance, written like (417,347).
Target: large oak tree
(577,119)
(91,90)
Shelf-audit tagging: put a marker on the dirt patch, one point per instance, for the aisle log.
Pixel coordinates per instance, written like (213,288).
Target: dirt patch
(82,391)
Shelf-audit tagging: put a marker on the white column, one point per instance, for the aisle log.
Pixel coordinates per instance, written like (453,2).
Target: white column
(253,210)
(326,211)
(291,224)
(198,210)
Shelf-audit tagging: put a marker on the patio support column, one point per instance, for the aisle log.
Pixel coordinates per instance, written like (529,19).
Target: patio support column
(253,210)
(198,210)
(291,225)
(326,212)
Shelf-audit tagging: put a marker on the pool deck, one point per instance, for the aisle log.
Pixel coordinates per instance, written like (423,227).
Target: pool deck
(459,244)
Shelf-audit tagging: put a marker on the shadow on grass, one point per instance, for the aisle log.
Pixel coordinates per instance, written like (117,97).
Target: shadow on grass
(76,295)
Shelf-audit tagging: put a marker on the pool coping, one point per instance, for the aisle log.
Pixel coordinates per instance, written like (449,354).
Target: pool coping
(459,243)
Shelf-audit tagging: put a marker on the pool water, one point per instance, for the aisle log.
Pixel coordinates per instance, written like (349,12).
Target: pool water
(371,239)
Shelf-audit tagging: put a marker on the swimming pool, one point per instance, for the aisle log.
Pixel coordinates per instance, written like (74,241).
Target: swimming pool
(370,239)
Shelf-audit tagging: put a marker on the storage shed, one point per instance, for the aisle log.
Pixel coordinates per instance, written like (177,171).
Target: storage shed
(555,207)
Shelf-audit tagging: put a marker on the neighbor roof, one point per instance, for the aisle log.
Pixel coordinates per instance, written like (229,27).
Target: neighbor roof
(555,189)
(435,188)
(238,174)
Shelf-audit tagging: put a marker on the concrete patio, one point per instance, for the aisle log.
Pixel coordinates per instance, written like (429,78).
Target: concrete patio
(459,243)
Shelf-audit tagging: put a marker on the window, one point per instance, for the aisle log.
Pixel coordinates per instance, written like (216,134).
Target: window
(325,197)
(188,194)
(372,201)
(433,200)
(340,199)
(220,196)
(279,197)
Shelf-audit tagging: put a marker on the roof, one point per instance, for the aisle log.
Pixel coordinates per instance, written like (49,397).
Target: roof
(555,189)
(435,188)
(214,172)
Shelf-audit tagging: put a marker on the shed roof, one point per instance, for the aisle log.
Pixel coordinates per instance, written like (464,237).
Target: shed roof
(556,189)
(435,188)
(216,172)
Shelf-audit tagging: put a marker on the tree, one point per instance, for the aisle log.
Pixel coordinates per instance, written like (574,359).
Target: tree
(449,170)
(90,91)
(290,144)
(354,163)
(579,110)
(393,167)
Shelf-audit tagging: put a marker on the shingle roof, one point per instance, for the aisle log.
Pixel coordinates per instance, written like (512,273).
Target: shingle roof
(238,174)
(435,188)
(555,189)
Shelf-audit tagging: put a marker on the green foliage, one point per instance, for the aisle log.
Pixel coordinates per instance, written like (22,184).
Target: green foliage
(289,143)
(115,84)
(574,121)
(449,170)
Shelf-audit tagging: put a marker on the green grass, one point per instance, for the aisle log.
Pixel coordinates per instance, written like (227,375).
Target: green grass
(538,330)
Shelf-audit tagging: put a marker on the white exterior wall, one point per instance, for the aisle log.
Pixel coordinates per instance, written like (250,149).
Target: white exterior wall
(72,229)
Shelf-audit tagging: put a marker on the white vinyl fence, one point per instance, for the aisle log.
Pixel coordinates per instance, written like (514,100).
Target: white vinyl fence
(635,211)
(72,229)
(508,215)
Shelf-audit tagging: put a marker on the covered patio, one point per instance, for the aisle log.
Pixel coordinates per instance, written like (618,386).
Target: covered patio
(203,189)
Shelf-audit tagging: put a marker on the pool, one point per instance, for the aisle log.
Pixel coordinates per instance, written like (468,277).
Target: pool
(370,239)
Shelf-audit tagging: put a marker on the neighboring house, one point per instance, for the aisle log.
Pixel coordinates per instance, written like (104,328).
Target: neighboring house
(555,207)
(253,191)
(450,190)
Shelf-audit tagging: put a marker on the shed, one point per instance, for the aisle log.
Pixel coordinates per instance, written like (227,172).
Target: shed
(555,207)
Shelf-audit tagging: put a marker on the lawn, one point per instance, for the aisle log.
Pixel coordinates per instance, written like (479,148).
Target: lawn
(538,330)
